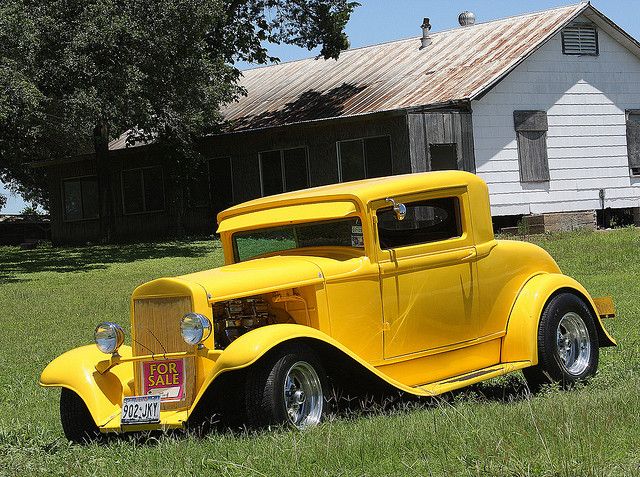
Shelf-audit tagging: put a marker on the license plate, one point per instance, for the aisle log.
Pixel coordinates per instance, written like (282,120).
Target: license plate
(140,410)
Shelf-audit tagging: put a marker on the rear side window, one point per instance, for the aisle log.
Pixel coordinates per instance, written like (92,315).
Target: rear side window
(426,221)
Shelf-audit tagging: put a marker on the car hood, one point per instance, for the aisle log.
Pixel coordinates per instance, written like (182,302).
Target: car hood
(257,276)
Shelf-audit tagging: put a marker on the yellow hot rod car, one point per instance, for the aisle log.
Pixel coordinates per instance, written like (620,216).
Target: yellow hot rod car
(397,280)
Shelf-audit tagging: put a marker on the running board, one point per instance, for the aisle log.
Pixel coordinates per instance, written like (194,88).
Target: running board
(472,377)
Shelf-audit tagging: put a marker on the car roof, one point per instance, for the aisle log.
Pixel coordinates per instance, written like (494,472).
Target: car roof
(363,191)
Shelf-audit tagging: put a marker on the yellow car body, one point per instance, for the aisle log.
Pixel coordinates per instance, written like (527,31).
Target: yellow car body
(425,318)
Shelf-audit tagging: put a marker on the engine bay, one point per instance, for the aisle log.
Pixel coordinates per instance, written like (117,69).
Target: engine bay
(233,318)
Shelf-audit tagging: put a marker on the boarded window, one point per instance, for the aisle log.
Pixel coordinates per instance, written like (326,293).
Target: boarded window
(142,190)
(365,158)
(633,141)
(531,130)
(580,40)
(284,170)
(80,197)
(426,221)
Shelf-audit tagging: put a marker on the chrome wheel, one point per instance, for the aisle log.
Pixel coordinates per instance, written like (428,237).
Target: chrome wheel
(573,344)
(303,395)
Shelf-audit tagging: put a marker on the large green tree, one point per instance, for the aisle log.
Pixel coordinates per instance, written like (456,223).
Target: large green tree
(76,73)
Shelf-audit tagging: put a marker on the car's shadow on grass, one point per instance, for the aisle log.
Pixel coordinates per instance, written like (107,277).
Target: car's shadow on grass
(506,390)
(16,264)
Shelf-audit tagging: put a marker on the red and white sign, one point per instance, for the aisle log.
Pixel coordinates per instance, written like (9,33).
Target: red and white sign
(164,378)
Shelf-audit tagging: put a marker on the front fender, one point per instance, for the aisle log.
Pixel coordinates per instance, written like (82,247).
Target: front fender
(250,347)
(102,393)
(521,340)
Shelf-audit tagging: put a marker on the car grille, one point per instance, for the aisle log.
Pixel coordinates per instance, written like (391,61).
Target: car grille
(156,330)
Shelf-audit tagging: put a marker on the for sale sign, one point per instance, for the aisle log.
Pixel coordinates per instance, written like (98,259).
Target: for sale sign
(164,378)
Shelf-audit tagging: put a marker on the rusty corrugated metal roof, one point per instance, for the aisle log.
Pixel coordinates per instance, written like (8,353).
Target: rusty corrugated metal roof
(459,65)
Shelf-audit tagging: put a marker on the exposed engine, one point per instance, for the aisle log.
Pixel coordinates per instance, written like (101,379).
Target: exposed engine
(233,318)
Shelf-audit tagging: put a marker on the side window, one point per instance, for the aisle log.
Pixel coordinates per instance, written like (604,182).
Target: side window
(142,190)
(80,198)
(426,221)
(365,158)
(284,170)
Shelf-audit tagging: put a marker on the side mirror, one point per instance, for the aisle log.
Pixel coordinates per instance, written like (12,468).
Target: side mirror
(399,208)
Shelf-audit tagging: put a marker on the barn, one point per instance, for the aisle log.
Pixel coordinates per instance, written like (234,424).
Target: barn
(545,107)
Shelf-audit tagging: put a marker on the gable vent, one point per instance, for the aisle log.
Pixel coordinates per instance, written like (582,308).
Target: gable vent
(580,40)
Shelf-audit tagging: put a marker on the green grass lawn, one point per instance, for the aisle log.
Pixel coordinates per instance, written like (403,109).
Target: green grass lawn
(51,299)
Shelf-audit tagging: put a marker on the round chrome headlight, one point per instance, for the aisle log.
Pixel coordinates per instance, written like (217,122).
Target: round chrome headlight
(108,337)
(195,328)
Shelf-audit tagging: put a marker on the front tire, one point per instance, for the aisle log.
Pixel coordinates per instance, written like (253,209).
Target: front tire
(287,387)
(568,349)
(77,423)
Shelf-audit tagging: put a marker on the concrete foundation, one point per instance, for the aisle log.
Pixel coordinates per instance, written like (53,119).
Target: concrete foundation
(555,222)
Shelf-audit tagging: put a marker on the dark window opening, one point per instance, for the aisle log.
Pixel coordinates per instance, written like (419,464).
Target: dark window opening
(80,198)
(284,170)
(142,190)
(212,186)
(199,187)
(426,221)
(365,158)
(221,183)
(444,157)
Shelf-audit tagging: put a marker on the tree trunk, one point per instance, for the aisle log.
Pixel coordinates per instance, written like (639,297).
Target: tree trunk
(101,147)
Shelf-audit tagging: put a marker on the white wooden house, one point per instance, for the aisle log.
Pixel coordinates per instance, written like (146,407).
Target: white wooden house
(545,107)
(586,80)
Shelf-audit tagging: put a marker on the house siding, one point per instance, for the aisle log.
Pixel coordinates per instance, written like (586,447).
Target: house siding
(585,98)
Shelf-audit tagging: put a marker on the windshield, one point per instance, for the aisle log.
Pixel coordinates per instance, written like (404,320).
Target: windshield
(331,233)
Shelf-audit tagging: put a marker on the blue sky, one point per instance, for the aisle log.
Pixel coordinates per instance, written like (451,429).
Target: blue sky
(378,21)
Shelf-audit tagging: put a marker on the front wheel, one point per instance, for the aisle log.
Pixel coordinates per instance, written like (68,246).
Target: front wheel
(286,387)
(567,344)
(77,423)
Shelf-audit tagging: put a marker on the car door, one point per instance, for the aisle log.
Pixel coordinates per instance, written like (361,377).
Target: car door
(427,272)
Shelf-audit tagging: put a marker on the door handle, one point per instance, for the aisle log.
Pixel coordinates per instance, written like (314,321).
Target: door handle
(470,256)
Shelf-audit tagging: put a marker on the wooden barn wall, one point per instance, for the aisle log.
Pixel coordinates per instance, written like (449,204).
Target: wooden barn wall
(173,220)
(585,98)
(320,140)
(440,127)
(243,149)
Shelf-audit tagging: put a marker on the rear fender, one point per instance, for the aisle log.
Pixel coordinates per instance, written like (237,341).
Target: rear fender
(102,393)
(521,340)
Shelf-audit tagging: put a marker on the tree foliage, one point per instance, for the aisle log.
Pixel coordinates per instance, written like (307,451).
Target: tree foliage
(159,69)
